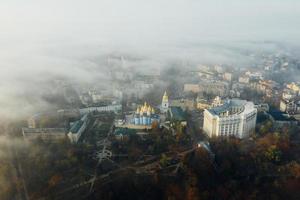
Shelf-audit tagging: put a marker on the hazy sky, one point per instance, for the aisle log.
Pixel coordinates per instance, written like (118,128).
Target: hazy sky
(139,21)
(39,38)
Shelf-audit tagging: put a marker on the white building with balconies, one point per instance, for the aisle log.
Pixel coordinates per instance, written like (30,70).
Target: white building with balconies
(234,118)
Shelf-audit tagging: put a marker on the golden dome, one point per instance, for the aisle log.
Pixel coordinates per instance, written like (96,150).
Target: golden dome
(145,109)
(149,111)
(165,97)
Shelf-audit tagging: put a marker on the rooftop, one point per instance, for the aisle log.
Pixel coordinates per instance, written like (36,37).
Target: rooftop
(281,116)
(124,131)
(43,130)
(177,113)
(237,104)
(76,126)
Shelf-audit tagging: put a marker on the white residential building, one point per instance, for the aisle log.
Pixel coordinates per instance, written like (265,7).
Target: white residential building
(234,118)
(78,128)
(47,134)
(244,79)
(108,108)
(227,76)
(290,106)
(191,88)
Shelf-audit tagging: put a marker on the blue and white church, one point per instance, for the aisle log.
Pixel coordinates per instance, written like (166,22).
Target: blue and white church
(145,115)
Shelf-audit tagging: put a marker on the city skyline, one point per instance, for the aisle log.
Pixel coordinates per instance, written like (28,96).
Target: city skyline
(177,100)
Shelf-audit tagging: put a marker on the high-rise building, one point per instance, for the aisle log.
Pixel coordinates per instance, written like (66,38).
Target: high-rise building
(234,118)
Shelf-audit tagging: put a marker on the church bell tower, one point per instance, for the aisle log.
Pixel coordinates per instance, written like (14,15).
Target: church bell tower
(165,103)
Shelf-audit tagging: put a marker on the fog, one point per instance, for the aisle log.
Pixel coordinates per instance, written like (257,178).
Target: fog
(42,40)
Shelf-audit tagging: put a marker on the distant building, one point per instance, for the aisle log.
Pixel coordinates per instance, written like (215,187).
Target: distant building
(95,96)
(145,115)
(68,113)
(121,133)
(205,104)
(45,120)
(217,102)
(238,86)
(77,128)
(295,87)
(141,87)
(214,87)
(165,103)
(288,94)
(289,102)
(118,93)
(227,76)
(176,114)
(254,75)
(47,134)
(191,88)
(202,103)
(281,119)
(267,87)
(219,68)
(291,91)
(290,106)
(85,98)
(107,108)
(32,121)
(243,79)
(235,93)
(264,107)
(234,118)
(205,73)
(184,104)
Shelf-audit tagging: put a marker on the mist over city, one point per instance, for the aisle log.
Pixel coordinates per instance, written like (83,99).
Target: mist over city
(149,100)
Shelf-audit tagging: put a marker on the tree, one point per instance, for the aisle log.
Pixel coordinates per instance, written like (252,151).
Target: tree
(155,126)
(292,168)
(6,181)
(163,160)
(54,180)
(266,127)
(174,192)
(273,154)
(192,193)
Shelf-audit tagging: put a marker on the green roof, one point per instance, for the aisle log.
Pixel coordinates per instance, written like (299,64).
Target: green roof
(124,131)
(76,126)
(176,113)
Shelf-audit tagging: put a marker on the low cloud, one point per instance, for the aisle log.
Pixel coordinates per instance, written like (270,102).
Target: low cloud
(71,40)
